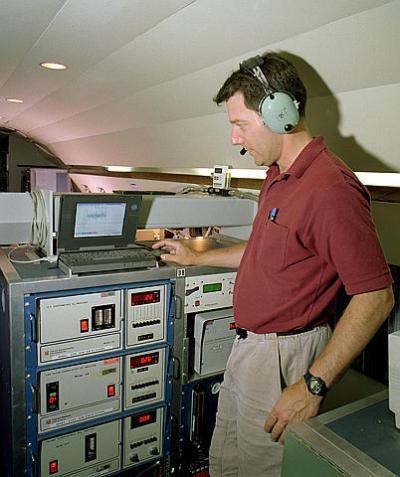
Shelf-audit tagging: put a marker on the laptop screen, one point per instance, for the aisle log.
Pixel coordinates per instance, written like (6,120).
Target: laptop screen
(98,221)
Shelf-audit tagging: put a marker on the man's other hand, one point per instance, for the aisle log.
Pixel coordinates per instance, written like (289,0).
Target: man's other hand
(295,404)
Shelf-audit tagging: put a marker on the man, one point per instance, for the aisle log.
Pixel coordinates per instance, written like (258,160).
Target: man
(312,234)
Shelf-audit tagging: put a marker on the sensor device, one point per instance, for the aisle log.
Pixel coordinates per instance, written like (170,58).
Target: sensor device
(279,109)
(221,177)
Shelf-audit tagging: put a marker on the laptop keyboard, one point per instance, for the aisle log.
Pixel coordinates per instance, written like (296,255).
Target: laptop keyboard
(114,259)
(107,255)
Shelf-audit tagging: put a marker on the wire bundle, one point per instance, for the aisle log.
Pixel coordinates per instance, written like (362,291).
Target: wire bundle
(39,229)
(39,222)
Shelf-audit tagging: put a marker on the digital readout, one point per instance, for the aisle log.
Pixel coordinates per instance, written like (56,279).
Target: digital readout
(144,360)
(146,297)
(143,419)
(212,287)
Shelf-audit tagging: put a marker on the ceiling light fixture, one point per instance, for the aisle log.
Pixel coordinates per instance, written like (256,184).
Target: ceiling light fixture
(53,66)
(119,169)
(385,179)
(14,100)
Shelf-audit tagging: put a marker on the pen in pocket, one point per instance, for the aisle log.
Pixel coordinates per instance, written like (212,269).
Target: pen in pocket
(273,214)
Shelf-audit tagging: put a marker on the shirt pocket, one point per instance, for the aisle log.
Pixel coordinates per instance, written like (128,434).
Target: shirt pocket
(274,246)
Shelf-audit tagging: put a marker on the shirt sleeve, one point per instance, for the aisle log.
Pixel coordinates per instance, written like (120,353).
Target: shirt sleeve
(341,231)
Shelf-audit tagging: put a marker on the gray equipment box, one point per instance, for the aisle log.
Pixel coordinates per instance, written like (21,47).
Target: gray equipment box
(79,393)
(145,315)
(87,453)
(209,292)
(144,377)
(214,333)
(79,325)
(143,437)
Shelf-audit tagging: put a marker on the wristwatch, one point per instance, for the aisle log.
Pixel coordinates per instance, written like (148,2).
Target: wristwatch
(315,385)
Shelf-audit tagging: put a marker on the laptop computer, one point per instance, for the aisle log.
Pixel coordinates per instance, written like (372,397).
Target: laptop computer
(96,233)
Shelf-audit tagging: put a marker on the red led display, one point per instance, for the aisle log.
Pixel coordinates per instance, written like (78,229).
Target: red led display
(144,298)
(144,360)
(232,326)
(143,419)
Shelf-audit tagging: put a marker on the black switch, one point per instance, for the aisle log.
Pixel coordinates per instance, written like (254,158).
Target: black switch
(52,397)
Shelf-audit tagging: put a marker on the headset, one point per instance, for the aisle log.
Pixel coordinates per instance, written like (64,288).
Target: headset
(279,109)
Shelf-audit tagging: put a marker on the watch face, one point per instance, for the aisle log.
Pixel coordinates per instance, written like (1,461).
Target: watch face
(315,385)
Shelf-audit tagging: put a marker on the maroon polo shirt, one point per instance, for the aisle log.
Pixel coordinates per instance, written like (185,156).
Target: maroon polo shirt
(312,234)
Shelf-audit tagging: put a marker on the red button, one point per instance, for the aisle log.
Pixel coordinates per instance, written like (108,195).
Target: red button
(111,390)
(84,326)
(53,467)
(197,303)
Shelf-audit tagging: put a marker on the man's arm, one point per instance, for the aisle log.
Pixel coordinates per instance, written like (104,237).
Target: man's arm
(177,251)
(361,319)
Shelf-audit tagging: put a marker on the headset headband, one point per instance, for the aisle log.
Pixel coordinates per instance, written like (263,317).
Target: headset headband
(253,66)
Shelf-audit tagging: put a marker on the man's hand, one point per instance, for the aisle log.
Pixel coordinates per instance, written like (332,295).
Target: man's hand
(177,251)
(295,404)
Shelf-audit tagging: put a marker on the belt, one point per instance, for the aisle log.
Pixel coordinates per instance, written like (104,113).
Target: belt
(242,333)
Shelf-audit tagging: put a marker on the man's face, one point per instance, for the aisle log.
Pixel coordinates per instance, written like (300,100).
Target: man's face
(249,131)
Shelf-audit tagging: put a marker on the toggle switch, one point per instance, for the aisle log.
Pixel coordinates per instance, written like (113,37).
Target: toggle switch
(84,326)
(53,467)
(111,390)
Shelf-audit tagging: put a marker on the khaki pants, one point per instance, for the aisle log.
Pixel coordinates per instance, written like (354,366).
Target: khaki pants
(258,367)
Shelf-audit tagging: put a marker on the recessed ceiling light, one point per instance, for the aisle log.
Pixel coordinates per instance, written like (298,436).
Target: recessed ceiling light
(14,100)
(53,66)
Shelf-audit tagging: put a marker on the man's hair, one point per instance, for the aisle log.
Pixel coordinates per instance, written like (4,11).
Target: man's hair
(281,76)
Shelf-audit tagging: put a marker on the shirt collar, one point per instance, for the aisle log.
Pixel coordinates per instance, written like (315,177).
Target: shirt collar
(306,157)
(302,161)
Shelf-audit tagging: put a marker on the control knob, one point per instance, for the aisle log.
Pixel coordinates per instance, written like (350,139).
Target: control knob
(154,451)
